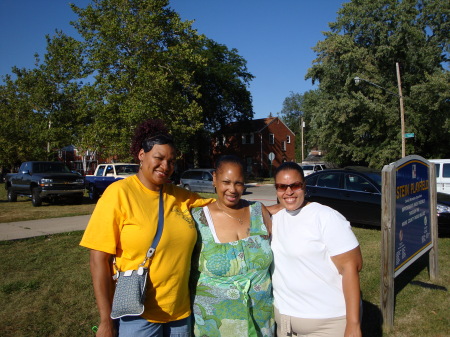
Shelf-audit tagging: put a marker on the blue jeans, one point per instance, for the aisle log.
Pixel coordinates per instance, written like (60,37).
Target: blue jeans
(136,326)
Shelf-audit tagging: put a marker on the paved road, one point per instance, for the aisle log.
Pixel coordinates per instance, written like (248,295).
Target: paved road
(263,193)
(27,229)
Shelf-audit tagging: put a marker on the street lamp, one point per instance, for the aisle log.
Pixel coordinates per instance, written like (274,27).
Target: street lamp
(399,95)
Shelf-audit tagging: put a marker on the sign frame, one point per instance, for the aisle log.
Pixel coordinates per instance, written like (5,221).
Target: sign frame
(390,219)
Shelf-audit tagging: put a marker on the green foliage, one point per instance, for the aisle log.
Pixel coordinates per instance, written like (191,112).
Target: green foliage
(142,61)
(291,114)
(222,81)
(362,124)
(142,55)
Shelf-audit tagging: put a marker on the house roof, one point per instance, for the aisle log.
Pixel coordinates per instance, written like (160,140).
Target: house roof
(254,125)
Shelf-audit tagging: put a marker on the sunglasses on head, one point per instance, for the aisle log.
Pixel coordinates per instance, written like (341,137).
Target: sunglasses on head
(294,186)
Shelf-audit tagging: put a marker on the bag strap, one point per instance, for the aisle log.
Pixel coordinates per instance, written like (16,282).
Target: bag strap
(156,239)
(155,242)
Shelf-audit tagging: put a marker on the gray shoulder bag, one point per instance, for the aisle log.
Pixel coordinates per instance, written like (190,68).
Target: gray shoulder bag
(129,296)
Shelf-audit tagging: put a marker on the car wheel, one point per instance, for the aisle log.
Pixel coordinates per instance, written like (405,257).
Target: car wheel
(12,197)
(187,187)
(93,193)
(36,199)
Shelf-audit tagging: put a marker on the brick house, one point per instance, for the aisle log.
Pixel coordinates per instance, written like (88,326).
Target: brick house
(253,141)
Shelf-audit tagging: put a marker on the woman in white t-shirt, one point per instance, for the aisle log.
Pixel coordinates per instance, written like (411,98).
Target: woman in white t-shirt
(316,264)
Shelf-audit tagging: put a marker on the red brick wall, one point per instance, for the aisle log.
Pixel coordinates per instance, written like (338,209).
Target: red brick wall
(251,153)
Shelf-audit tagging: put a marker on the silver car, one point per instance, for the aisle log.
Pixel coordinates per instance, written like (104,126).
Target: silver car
(198,180)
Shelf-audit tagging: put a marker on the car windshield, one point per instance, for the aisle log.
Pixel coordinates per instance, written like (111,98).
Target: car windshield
(50,168)
(307,167)
(127,169)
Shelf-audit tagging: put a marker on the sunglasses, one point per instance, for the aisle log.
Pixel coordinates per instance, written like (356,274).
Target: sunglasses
(294,187)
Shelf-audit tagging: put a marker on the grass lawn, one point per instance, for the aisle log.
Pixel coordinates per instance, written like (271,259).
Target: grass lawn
(24,210)
(46,290)
(46,285)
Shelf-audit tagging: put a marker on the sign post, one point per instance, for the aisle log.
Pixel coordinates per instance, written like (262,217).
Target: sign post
(409,224)
(271,158)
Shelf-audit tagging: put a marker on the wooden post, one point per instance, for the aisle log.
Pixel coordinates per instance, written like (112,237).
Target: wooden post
(433,255)
(402,110)
(387,247)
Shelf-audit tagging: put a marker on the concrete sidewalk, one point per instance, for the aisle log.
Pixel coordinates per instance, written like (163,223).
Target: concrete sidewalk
(27,229)
(32,228)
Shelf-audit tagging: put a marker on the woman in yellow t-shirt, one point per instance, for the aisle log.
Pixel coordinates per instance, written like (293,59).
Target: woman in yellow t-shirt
(124,224)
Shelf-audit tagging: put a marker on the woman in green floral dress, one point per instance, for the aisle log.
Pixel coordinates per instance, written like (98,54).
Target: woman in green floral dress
(233,293)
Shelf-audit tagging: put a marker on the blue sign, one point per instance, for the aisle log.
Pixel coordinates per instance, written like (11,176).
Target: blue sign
(412,214)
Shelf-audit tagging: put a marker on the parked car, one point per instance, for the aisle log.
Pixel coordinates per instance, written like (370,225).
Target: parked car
(356,194)
(198,180)
(311,168)
(106,174)
(44,180)
(442,174)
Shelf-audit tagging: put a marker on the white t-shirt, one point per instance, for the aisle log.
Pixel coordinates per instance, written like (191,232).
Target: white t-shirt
(306,283)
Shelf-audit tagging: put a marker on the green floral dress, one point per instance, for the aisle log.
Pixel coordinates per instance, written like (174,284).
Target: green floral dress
(233,293)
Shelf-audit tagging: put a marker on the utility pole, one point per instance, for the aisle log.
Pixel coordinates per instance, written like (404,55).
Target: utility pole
(302,125)
(402,110)
(400,96)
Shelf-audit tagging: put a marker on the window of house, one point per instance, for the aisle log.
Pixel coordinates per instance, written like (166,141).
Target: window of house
(288,139)
(283,146)
(220,140)
(249,162)
(248,138)
(271,138)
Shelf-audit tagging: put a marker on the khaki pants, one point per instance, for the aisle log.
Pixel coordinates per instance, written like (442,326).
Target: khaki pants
(308,327)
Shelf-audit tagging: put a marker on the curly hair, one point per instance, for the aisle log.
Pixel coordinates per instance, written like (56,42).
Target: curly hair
(148,134)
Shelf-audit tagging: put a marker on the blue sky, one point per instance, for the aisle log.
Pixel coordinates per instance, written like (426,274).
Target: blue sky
(275,37)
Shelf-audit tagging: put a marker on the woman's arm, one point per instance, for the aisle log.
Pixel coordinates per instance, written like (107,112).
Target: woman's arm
(101,266)
(273,209)
(349,265)
(266,218)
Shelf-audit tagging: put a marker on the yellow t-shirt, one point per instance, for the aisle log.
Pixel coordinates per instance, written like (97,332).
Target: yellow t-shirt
(124,224)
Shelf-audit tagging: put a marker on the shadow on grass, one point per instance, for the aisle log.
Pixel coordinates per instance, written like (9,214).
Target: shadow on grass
(410,273)
(372,321)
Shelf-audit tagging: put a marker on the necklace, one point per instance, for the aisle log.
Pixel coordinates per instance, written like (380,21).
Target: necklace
(230,216)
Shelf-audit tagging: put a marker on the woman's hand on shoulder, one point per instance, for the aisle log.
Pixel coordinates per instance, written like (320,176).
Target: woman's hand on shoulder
(273,209)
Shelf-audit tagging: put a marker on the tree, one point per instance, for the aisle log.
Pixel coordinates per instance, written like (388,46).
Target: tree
(223,95)
(141,61)
(142,55)
(291,115)
(222,83)
(361,124)
(41,104)
(20,131)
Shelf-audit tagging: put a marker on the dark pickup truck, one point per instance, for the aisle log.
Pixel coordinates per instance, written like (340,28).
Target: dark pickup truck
(44,180)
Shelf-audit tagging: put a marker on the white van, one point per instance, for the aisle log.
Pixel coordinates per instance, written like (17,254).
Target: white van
(311,168)
(442,174)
